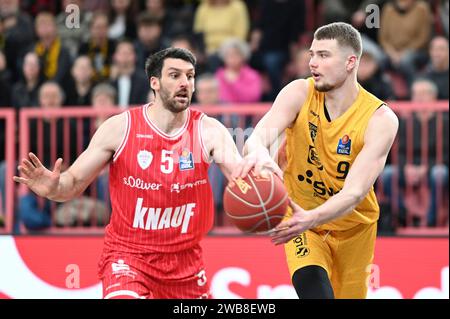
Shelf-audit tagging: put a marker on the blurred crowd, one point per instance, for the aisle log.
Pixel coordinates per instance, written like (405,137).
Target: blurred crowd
(55,54)
(259,45)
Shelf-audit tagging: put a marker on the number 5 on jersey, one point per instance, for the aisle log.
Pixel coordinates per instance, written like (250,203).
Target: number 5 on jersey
(166,162)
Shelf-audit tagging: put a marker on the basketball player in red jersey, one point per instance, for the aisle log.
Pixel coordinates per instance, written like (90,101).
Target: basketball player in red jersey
(162,203)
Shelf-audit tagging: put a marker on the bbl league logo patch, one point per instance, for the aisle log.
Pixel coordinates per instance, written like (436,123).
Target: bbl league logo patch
(344,145)
(186,160)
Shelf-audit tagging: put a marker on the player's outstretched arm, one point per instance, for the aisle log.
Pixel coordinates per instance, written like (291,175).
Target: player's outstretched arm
(368,165)
(220,145)
(281,115)
(60,187)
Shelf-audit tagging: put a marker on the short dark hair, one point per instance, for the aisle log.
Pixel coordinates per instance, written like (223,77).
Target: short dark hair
(124,40)
(344,33)
(155,62)
(146,19)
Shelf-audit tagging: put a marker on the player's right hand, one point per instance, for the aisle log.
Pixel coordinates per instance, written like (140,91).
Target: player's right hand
(260,161)
(39,179)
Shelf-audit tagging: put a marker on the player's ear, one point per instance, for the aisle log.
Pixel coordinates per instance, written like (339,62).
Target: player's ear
(154,83)
(351,62)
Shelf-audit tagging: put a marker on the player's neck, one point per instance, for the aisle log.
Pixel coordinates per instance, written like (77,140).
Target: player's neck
(167,121)
(341,99)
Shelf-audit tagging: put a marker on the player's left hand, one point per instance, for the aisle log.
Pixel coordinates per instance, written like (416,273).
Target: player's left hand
(300,221)
(259,160)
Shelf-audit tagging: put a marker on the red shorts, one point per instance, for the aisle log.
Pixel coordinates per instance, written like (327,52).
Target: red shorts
(179,275)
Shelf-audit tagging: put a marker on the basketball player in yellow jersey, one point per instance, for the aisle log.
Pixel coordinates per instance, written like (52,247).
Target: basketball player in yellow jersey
(338,137)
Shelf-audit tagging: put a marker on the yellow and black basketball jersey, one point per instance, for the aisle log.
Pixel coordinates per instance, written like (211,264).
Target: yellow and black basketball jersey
(320,154)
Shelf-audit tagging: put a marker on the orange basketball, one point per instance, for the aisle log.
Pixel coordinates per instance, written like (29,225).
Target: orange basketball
(256,204)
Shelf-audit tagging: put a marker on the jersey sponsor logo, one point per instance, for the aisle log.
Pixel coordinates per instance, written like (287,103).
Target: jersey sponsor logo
(119,265)
(313,113)
(313,157)
(138,183)
(177,187)
(344,145)
(139,135)
(186,160)
(151,218)
(312,131)
(120,268)
(320,190)
(301,249)
(144,159)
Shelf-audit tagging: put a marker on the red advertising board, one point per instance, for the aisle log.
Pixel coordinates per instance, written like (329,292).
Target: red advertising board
(237,267)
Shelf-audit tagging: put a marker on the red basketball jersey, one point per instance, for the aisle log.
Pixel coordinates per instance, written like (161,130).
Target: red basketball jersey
(160,193)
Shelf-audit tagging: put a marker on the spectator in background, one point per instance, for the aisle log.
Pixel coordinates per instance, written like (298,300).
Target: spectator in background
(54,57)
(4,71)
(405,30)
(353,12)
(437,69)
(238,82)
(2,35)
(122,15)
(275,36)
(207,94)
(72,37)
(372,77)
(300,64)
(79,95)
(130,83)
(207,90)
(443,15)
(219,20)
(189,42)
(16,33)
(5,88)
(345,11)
(25,92)
(99,48)
(419,179)
(103,98)
(51,96)
(149,38)
(174,21)
(425,91)
(34,214)
(5,101)
(80,89)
